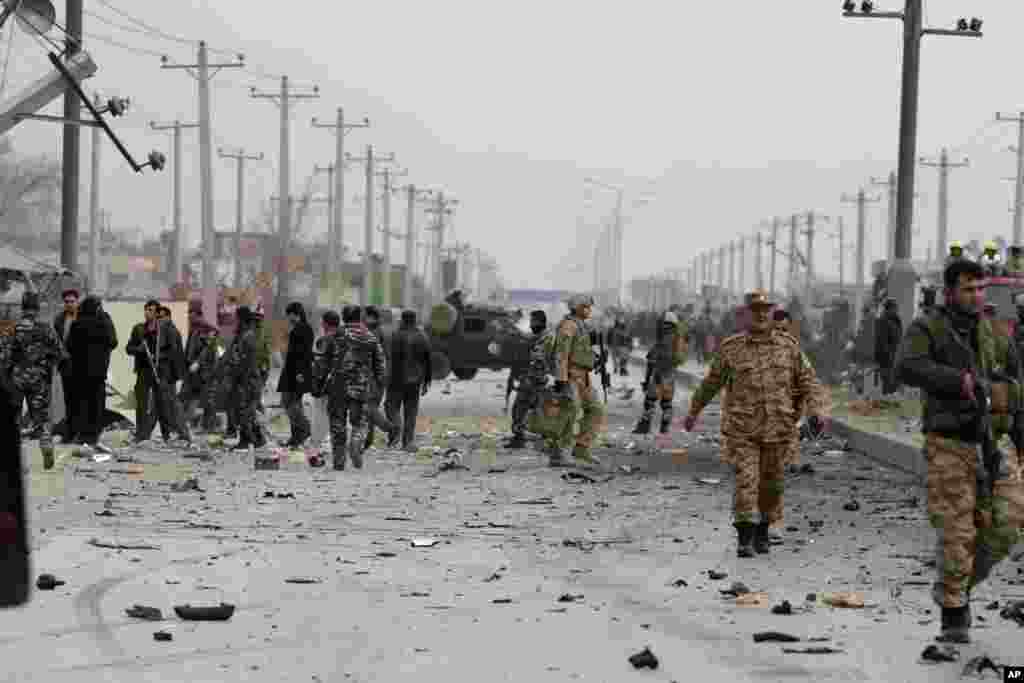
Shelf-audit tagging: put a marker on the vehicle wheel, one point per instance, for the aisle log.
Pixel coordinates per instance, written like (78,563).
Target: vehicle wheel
(440,366)
(465,374)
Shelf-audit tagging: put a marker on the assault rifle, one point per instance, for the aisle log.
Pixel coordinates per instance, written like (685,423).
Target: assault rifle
(602,364)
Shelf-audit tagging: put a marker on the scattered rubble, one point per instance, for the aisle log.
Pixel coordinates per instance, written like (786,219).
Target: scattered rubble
(775,637)
(221,612)
(144,612)
(48,582)
(644,659)
(933,653)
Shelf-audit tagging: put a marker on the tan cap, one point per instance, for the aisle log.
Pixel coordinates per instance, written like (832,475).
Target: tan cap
(758,298)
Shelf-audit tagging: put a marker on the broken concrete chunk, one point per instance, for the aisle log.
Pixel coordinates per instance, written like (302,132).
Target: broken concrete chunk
(644,659)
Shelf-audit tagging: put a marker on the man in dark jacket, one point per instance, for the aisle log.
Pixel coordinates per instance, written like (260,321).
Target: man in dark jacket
(375,415)
(243,381)
(952,355)
(90,343)
(888,334)
(410,378)
(297,373)
(62,325)
(159,366)
(201,355)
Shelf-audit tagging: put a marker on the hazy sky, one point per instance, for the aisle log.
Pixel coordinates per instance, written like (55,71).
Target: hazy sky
(737,111)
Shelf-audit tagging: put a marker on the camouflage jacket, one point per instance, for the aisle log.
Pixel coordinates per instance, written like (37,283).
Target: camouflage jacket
(535,375)
(352,360)
(769,381)
(29,354)
(574,351)
(241,364)
(203,343)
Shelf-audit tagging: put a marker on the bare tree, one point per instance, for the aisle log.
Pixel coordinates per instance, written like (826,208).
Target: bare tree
(29,195)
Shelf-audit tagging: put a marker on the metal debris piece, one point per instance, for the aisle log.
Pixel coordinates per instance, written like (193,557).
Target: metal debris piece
(47,582)
(121,546)
(221,612)
(303,579)
(774,637)
(644,659)
(144,612)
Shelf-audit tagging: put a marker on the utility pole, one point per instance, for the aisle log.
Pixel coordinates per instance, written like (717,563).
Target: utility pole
(71,161)
(732,268)
(369,270)
(890,227)
(177,127)
(743,265)
(1018,202)
(861,200)
(793,251)
(240,158)
(902,279)
(412,195)
(201,72)
(94,201)
(442,208)
(386,233)
(721,268)
(758,257)
(332,229)
(283,100)
(337,236)
(842,254)
(944,165)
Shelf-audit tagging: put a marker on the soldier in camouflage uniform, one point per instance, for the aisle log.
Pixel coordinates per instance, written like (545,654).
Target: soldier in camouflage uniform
(532,379)
(200,360)
(769,382)
(620,344)
(667,354)
(575,359)
(352,359)
(243,382)
(953,356)
(28,357)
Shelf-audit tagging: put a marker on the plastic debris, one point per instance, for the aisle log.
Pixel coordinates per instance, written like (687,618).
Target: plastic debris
(144,612)
(644,659)
(221,612)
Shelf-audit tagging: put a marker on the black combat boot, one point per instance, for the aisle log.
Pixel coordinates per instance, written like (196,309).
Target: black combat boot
(745,535)
(956,624)
(666,424)
(339,458)
(643,426)
(516,442)
(761,540)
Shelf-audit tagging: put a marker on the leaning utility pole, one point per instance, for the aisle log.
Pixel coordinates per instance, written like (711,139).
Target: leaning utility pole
(94,201)
(177,127)
(1018,202)
(70,160)
(944,165)
(862,201)
(369,270)
(240,158)
(203,76)
(283,100)
(337,237)
(902,280)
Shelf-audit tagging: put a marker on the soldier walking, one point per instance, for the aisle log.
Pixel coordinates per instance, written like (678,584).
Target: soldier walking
(769,382)
(667,354)
(574,361)
(297,373)
(375,415)
(409,378)
(952,355)
(353,358)
(243,381)
(532,379)
(28,357)
(620,344)
(200,359)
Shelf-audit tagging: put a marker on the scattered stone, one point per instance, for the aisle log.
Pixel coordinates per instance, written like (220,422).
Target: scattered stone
(774,637)
(303,579)
(977,666)
(569,597)
(715,575)
(679,583)
(737,589)
(578,476)
(933,653)
(105,513)
(644,659)
(47,582)
(1014,612)
(784,609)
(187,485)
(852,506)
(994,605)
(144,612)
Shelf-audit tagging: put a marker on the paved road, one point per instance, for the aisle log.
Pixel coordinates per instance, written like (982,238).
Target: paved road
(483,604)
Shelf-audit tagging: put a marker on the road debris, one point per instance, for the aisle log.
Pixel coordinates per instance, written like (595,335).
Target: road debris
(644,659)
(144,612)
(737,589)
(187,485)
(774,637)
(221,612)
(848,600)
(752,600)
(933,653)
(715,575)
(303,579)
(679,583)
(502,601)
(708,481)
(1014,612)
(852,506)
(493,577)
(816,650)
(424,542)
(569,597)
(163,636)
(977,666)
(784,609)
(121,546)
(578,476)
(47,582)
(535,501)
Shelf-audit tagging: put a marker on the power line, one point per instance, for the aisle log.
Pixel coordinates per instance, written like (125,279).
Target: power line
(130,48)
(147,27)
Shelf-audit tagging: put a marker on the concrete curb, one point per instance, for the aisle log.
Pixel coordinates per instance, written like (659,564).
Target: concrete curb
(877,447)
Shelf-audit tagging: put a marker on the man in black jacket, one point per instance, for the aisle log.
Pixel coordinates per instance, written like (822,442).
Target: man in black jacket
(410,378)
(297,373)
(888,334)
(376,395)
(62,325)
(156,345)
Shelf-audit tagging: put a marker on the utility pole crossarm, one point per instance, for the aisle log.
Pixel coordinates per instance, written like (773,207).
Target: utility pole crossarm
(341,128)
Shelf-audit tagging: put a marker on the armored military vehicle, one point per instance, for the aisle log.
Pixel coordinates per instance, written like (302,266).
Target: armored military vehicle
(465,338)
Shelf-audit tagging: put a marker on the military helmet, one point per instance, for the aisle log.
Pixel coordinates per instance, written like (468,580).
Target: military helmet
(990,246)
(955,244)
(757,299)
(578,300)
(670,318)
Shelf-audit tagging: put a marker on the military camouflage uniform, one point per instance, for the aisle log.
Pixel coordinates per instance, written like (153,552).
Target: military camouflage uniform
(244,384)
(531,380)
(667,354)
(199,387)
(352,360)
(769,380)
(28,357)
(574,354)
(974,531)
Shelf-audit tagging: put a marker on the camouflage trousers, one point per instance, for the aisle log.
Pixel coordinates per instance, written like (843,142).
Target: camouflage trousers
(659,393)
(526,400)
(589,411)
(342,411)
(247,402)
(760,478)
(974,533)
(37,396)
